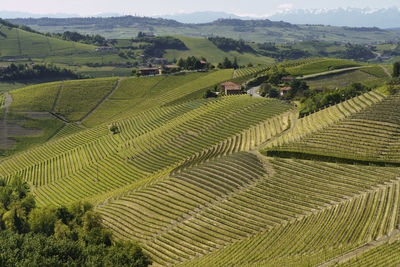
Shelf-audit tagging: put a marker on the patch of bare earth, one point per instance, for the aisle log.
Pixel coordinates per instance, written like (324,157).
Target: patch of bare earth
(8,130)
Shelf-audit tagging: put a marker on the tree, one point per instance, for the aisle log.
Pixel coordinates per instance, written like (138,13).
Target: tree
(396,69)
(43,220)
(298,87)
(235,64)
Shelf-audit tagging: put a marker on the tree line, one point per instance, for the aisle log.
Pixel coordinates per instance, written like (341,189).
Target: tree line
(20,72)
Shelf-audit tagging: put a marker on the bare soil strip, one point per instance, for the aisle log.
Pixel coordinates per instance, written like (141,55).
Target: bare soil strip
(100,102)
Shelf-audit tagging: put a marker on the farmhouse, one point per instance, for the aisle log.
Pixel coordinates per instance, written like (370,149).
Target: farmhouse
(284,91)
(231,88)
(150,71)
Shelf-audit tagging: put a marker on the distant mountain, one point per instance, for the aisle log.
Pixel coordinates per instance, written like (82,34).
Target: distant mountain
(352,17)
(200,17)
(17,14)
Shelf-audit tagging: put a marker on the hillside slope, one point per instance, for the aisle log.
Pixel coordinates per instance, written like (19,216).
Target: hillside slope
(15,42)
(254,30)
(202,47)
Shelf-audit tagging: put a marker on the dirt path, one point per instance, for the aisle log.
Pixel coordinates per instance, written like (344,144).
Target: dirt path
(56,99)
(4,141)
(100,102)
(395,235)
(386,71)
(328,72)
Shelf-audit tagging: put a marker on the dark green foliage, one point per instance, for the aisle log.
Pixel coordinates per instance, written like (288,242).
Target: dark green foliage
(394,85)
(298,88)
(315,101)
(39,250)
(57,236)
(396,69)
(82,38)
(192,63)
(209,94)
(228,44)
(357,52)
(228,64)
(266,90)
(156,46)
(22,72)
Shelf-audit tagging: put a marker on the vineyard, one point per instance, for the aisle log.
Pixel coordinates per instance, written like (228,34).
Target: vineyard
(371,135)
(227,181)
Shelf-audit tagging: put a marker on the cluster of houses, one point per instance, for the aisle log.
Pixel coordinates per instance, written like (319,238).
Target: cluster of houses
(107,49)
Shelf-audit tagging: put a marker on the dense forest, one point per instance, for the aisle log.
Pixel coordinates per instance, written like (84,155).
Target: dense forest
(57,235)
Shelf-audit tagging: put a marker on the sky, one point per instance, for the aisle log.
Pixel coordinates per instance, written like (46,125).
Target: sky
(161,7)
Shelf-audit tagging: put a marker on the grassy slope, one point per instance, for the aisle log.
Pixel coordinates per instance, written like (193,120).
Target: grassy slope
(202,47)
(19,43)
(340,80)
(138,94)
(35,98)
(77,98)
(322,66)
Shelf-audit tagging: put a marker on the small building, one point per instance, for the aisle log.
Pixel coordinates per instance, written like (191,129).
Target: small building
(231,88)
(108,49)
(2,67)
(284,91)
(150,71)
(287,79)
(170,68)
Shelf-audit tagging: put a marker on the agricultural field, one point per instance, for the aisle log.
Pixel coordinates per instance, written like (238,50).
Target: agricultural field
(322,66)
(202,47)
(184,176)
(19,43)
(343,79)
(370,135)
(134,95)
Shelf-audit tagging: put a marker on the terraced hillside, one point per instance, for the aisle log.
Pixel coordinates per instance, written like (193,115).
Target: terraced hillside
(85,164)
(184,177)
(370,135)
(228,206)
(385,255)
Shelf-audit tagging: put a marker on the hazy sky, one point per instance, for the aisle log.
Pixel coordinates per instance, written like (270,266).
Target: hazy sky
(157,7)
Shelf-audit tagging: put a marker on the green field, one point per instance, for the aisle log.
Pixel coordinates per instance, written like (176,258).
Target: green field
(202,47)
(259,31)
(18,43)
(135,95)
(233,180)
(322,66)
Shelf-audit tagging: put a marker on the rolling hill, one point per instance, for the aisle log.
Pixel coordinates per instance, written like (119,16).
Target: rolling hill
(17,43)
(202,47)
(252,30)
(223,181)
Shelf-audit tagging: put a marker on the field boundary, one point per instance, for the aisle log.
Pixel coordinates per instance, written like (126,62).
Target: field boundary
(101,101)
